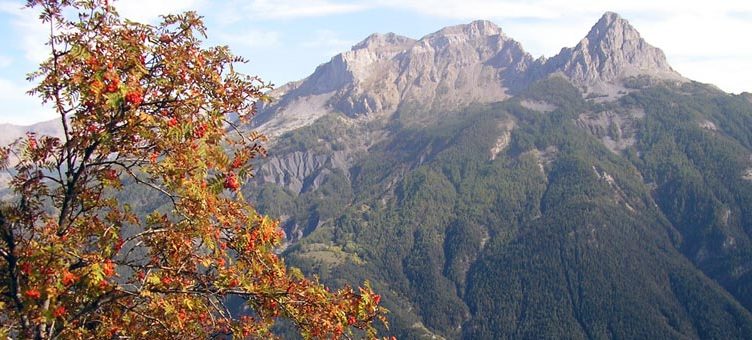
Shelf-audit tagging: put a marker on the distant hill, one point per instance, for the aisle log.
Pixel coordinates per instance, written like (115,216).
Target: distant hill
(12,132)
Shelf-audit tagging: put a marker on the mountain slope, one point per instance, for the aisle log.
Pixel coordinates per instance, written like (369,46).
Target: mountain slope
(557,236)
(11,133)
(595,194)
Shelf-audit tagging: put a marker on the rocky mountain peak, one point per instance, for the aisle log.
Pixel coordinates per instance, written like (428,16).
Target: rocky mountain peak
(612,51)
(747,96)
(457,66)
(381,42)
(611,20)
(612,31)
(478,28)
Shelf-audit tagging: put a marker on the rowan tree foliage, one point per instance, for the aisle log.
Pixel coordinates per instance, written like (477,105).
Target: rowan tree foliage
(148,104)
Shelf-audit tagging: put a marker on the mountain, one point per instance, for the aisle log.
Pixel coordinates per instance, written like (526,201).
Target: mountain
(486,194)
(449,69)
(459,66)
(12,132)
(613,50)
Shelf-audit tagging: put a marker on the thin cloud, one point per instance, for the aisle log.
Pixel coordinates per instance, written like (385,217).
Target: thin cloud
(556,9)
(730,74)
(148,11)
(249,38)
(328,42)
(291,9)
(473,9)
(30,32)
(19,107)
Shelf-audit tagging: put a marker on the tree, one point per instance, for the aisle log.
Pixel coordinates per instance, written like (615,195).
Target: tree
(151,106)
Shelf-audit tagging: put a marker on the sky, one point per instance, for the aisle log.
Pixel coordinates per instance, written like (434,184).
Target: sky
(284,40)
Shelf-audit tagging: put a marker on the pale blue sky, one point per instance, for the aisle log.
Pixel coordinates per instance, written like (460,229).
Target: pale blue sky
(286,39)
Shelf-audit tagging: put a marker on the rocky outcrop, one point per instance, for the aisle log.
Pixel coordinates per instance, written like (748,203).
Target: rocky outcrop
(448,69)
(617,130)
(747,96)
(301,171)
(457,66)
(612,51)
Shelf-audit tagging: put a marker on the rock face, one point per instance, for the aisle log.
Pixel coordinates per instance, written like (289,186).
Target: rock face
(612,51)
(301,171)
(445,71)
(456,66)
(474,63)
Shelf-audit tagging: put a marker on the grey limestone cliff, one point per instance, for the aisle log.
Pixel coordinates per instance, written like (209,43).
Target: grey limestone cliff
(612,51)
(445,71)
(456,66)
(448,69)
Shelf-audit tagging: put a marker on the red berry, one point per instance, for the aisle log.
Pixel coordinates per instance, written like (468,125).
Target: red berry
(166,280)
(134,98)
(92,61)
(69,278)
(231,182)
(26,268)
(59,311)
(199,131)
(119,244)
(108,269)
(110,174)
(32,143)
(237,162)
(33,293)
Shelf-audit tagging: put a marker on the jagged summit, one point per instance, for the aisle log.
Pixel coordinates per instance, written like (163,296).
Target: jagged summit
(457,66)
(474,29)
(384,41)
(607,22)
(453,67)
(611,51)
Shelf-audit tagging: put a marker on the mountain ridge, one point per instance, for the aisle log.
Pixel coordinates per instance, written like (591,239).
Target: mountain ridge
(458,65)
